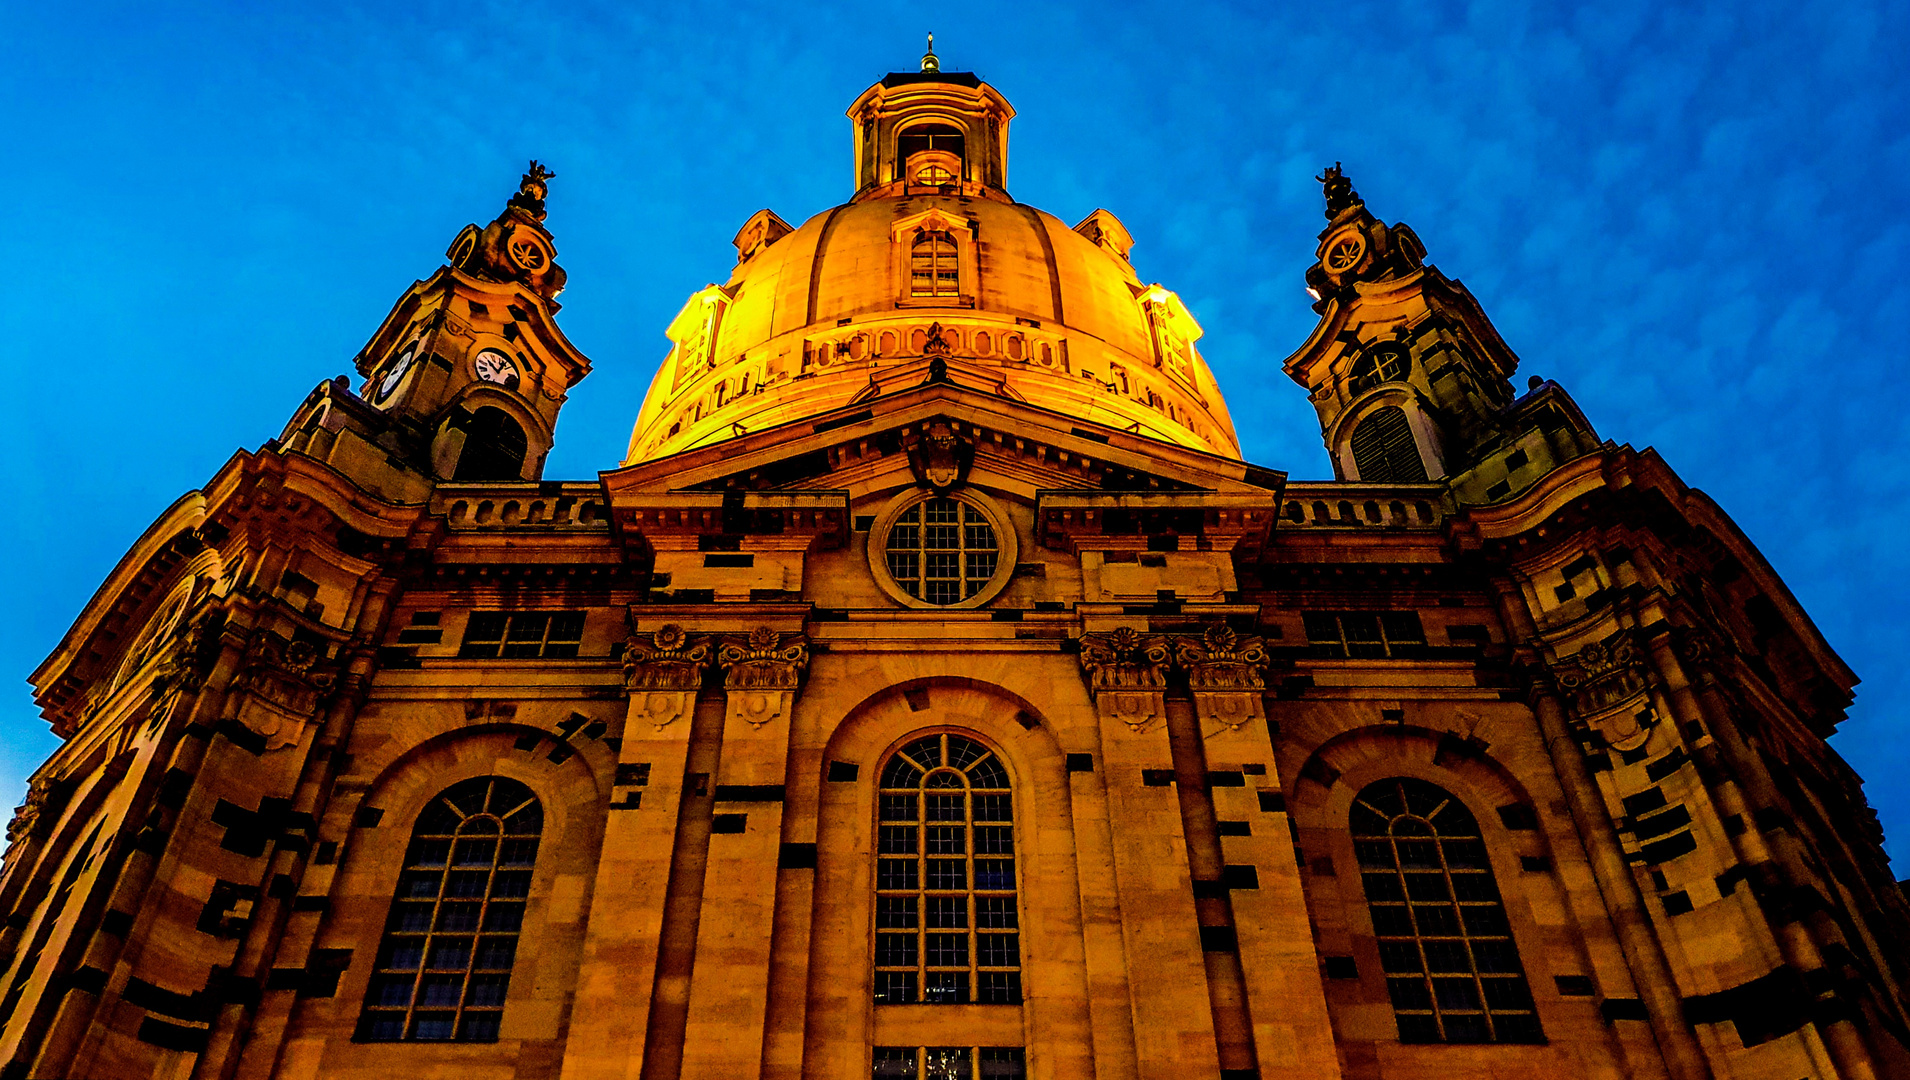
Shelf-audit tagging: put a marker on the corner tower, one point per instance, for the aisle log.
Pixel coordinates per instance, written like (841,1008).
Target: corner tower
(1411,381)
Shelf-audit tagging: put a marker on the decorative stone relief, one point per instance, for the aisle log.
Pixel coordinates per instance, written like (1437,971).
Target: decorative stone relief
(27,814)
(1227,675)
(939,456)
(1605,682)
(281,686)
(662,674)
(1127,674)
(761,674)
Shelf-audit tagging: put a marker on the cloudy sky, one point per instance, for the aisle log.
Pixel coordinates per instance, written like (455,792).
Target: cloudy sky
(1693,216)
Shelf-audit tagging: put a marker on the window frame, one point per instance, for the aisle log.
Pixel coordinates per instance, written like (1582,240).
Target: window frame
(1007,547)
(1393,455)
(902,237)
(548,648)
(905,890)
(1014,1058)
(1392,641)
(1413,920)
(496,919)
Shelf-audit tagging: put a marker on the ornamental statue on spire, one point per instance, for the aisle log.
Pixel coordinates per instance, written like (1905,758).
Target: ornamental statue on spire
(1355,246)
(516,247)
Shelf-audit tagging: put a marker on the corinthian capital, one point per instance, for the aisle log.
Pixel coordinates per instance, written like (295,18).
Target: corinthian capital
(1124,660)
(668,660)
(765,660)
(1220,659)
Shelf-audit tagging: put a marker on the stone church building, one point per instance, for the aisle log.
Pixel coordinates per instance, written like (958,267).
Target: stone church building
(934,692)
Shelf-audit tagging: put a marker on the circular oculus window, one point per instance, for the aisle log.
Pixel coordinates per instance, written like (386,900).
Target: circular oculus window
(948,551)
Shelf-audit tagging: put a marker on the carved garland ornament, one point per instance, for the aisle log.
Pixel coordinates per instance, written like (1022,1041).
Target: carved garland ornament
(1221,659)
(283,685)
(761,673)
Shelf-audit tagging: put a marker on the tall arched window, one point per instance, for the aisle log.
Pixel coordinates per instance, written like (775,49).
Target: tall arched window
(1384,450)
(1451,965)
(947,931)
(933,269)
(445,962)
(494,447)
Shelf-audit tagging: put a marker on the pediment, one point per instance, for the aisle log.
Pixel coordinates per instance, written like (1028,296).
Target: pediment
(1020,446)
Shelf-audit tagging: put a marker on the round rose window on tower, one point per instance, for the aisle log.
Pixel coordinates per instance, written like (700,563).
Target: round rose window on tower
(942,551)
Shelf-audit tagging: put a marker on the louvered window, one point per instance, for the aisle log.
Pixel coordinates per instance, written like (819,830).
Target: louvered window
(947,928)
(933,268)
(1384,450)
(1451,966)
(451,938)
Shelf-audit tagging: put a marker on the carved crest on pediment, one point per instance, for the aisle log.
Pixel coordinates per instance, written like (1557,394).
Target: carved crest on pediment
(939,456)
(1124,659)
(668,659)
(765,660)
(1221,659)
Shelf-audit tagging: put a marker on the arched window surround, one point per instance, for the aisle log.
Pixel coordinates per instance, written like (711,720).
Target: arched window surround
(446,954)
(947,875)
(905,234)
(1339,436)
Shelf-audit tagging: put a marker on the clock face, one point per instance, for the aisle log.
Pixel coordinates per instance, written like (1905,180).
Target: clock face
(494,367)
(397,373)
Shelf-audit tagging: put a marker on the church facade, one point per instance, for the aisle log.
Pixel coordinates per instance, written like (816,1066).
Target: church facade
(934,692)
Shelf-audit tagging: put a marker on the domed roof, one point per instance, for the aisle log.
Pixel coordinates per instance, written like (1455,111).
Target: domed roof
(931,271)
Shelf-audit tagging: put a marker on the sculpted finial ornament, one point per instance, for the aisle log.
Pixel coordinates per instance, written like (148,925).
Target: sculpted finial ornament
(27,814)
(516,247)
(1605,682)
(761,673)
(1123,659)
(1339,192)
(662,672)
(284,683)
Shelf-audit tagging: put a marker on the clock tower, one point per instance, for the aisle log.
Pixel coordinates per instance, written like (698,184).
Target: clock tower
(465,377)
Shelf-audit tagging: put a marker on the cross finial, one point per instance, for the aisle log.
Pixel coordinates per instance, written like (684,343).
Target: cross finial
(929,60)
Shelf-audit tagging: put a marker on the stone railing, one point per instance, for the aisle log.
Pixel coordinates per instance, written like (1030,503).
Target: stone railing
(522,506)
(1330,505)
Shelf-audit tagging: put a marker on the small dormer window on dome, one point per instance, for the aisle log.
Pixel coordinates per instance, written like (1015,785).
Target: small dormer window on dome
(934,265)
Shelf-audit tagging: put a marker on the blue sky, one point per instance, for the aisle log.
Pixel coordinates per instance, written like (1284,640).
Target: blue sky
(1693,216)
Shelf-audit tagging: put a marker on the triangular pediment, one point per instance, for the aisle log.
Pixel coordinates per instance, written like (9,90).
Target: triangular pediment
(1015,445)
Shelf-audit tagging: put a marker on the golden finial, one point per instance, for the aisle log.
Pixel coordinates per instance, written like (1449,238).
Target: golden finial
(929,60)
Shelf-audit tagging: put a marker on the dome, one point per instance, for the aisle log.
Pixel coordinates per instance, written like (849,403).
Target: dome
(931,271)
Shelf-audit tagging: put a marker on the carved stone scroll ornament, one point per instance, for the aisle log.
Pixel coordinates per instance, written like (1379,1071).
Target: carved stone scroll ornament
(1127,673)
(761,673)
(662,673)
(280,687)
(1227,674)
(1605,682)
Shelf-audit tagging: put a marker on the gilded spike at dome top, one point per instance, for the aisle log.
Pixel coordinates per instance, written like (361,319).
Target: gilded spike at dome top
(930,62)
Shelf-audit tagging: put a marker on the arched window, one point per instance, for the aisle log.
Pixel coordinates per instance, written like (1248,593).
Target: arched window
(932,265)
(494,447)
(1384,450)
(922,137)
(1451,965)
(445,962)
(946,923)
(1382,363)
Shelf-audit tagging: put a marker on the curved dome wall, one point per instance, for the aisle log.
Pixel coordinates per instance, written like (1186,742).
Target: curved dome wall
(931,268)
